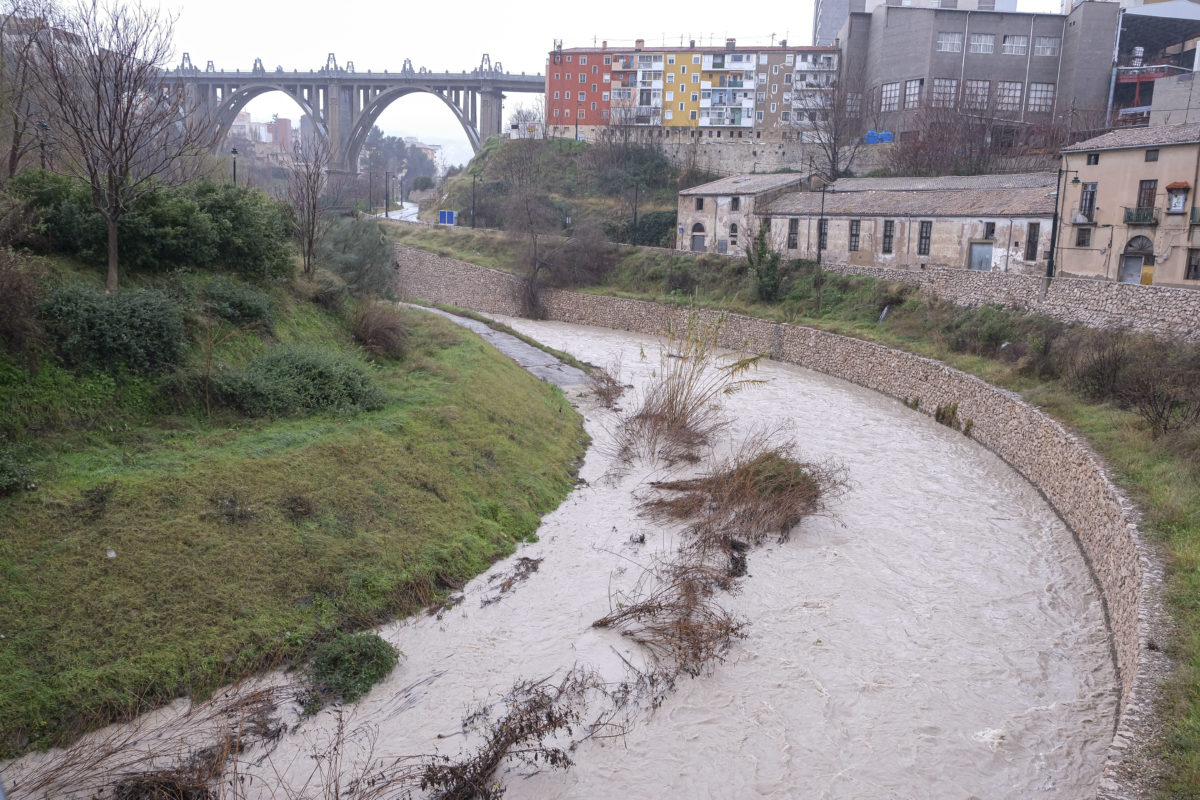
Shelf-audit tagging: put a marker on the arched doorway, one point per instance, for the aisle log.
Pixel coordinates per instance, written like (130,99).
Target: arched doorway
(697,238)
(1137,261)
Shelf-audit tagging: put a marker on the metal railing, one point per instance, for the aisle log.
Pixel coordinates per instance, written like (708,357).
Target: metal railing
(1083,216)
(1142,215)
(1196,215)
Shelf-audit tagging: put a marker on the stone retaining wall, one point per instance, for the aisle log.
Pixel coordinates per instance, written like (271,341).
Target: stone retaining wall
(1060,465)
(1166,311)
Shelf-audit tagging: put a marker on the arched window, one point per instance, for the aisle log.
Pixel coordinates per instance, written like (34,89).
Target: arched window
(697,238)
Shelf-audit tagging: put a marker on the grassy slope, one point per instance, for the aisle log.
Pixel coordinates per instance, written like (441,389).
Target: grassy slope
(1164,483)
(240,544)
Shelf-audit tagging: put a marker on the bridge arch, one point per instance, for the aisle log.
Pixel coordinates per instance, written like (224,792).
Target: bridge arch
(371,112)
(226,113)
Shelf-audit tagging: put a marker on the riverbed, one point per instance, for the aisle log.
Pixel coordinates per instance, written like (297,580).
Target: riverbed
(936,634)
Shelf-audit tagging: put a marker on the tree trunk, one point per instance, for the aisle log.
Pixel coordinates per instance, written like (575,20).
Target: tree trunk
(110,285)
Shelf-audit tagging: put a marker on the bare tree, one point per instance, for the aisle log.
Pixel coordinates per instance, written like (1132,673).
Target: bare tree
(22,24)
(528,122)
(101,72)
(307,181)
(831,116)
(947,141)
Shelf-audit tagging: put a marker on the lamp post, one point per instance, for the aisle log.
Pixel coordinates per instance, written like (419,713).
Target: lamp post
(42,130)
(387,196)
(473,177)
(234,153)
(1054,216)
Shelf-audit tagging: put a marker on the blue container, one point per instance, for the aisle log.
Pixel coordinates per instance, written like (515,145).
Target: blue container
(872,137)
(886,136)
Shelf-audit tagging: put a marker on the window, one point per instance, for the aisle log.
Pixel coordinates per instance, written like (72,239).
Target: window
(975,94)
(854,234)
(582,78)
(556,112)
(1008,95)
(774,69)
(1152,155)
(822,234)
(982,43)
(762,97)
(556,95)
(671,59)
(1032,234)
(773,107)
(774,88)
(793,233)
(681,106)
(1083,237)
(889,97)
(1015,45)
(787,79)
(989,230)
(1146,192)
(669,96)
(945,91)
(762,77)
(1041,97)
(608,59)
(786,116)
(593,87)
(696,78)
(582,97)
(695,97)
(567,95)
(582,60)
(758,116)
(568,59)
(1045,45)
(1193,265)
(912,93)
(1087,201)
(735,203)
(1093,159)
(889,236)
(668,114)
(604,96)
(593,106)
(762,58)
(924,236)
(695,59)
(692,115)
(699,203)
(789,59)
(733,232)
(949,42)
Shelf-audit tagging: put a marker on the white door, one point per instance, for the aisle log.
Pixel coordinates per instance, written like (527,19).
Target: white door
(981,256)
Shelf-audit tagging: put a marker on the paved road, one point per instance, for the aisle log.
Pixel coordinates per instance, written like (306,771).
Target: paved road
(538,362)
(406,214)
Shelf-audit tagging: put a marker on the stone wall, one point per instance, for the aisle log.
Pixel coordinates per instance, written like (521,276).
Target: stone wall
(1060,465)
(1161,310)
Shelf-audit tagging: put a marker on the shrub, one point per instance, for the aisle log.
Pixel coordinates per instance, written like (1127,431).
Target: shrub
(252,230)
(1094,360)
(380,329)
(347,667)
(14,475)
(357,250)
(240,304)
(139,330)
(20,327)
(289,380)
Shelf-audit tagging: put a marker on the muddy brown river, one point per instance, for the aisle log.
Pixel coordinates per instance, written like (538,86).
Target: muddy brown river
(937,635)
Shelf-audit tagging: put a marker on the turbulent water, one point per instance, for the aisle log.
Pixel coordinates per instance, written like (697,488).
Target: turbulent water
(937,635)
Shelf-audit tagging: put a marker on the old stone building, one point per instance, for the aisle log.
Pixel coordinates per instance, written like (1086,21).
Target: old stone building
(1129,206)
(998,223)
(719,217)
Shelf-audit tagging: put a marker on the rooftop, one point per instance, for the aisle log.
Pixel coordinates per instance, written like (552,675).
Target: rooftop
(1030,201)
(746,184)
(1186,133)
(1021,180)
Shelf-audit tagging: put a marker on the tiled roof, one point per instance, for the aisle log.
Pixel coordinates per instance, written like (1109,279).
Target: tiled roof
(1140,137)
(745,184)
(1023,180)
(974,202)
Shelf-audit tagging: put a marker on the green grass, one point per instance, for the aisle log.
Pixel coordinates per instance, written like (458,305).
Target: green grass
(1161,475)
(241,544)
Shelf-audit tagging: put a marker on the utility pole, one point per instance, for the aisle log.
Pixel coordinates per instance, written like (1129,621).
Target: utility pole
(387,195)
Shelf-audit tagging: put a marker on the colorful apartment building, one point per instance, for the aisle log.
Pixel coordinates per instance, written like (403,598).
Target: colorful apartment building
(692,91)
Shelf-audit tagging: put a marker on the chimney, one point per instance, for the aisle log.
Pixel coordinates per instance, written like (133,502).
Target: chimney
(638,44)
(691,42)
(783,42)
(730,44)
(604,45)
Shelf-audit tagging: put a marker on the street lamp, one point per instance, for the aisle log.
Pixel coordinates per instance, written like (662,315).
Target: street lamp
(1054,217)
(42,130)
(234,153)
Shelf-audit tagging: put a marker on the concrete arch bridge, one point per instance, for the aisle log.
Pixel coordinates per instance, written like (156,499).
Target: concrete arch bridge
(344,104)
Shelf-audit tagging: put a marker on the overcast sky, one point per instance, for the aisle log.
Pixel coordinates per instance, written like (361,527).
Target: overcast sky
(453,36)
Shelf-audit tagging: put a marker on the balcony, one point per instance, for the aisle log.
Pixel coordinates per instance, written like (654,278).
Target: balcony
(1083,216)
(1196,215)
(1141,216)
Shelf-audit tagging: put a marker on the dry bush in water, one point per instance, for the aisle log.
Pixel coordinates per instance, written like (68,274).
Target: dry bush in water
(680,412)
(761,490)
(606,384)
(537,714)
(672,611)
